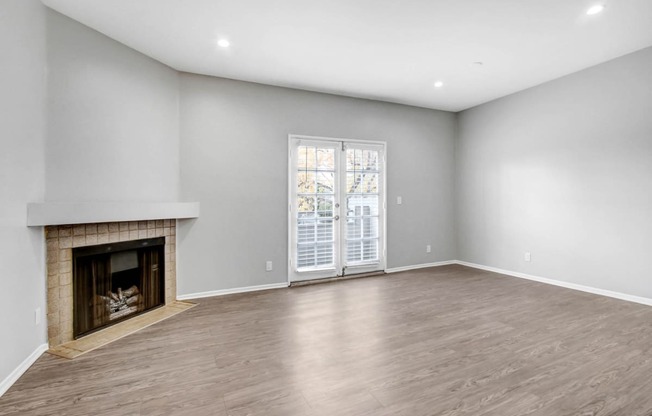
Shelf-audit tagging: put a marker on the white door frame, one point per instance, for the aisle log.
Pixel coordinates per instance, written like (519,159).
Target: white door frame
(382,265)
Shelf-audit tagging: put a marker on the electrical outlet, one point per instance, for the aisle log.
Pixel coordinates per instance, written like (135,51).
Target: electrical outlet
(37,316)
(428,248)
(399,200)
(268,266)
(528,257)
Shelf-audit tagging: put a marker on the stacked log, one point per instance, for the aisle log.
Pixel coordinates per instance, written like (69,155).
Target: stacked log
(120,304)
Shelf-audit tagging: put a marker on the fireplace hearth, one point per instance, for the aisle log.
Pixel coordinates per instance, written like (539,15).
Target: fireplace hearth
(116,281)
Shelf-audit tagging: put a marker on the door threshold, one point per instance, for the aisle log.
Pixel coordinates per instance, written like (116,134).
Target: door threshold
(336,279)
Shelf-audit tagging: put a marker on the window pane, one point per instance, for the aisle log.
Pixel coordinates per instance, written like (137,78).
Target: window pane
(361,183)
(325,159)
(361,205)
(361,160)
(306,182)
(306,157)
(305,231)
(325,206)
(325,182)
(324,230)
(362,251)
(362,228)
(305,204)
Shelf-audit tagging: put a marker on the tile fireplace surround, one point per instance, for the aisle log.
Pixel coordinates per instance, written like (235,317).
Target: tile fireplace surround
(61,239)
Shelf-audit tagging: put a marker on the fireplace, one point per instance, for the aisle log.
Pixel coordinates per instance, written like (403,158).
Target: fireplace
(63,240)
(116,281)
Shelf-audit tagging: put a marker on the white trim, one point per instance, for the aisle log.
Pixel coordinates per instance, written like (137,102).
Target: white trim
(223,292)
(419,266)
(568,285)
(20,370)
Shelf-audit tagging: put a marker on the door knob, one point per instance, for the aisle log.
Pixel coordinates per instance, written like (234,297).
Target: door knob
(337,217)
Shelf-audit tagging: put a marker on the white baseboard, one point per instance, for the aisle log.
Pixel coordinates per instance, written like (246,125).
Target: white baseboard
(20,370)
(223,292)
(568,285)
(419,266)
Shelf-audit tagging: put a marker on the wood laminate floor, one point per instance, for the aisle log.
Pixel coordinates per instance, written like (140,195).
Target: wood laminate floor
(441,341)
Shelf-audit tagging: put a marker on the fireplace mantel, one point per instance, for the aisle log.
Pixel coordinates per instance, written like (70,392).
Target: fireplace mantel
(59,213)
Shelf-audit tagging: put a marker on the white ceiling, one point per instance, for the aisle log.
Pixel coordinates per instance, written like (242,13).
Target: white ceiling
(388,50)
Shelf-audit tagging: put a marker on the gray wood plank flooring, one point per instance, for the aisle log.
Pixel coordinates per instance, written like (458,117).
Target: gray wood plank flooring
(442,341)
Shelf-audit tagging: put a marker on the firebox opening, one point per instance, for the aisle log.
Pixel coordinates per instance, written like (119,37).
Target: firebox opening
(113,282)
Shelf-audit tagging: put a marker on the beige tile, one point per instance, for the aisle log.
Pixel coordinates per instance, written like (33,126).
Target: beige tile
(124,235)
(53,280)
(102,238)
(151,233)
(78,230)
(65,254)
(159,223)
(103,228)
(133,234)
(53,318)
(124,226)
(53,305)
(166,223)
(65,278)
(114,227)
(79,241)
(142,233)
(52,257)
(53,331)
(65,291)
(65,231)
(166,231)
(91,229)
(114,237)
(52,243)
(65,304)
(51,232)
(65,266)
(65,242)
(91,239)
(173,230)
(151,224)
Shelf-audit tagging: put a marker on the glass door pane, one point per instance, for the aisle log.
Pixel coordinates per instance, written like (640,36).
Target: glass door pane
(363,199)
(315,207)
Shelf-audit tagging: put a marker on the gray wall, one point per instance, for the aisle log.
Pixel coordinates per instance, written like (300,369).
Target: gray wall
(564,171)
(234,160)
(113,132)
(22,128)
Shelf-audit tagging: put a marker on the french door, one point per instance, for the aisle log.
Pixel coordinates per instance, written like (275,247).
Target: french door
(337,207)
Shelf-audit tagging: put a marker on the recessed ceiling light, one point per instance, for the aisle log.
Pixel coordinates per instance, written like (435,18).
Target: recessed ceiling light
(439,84)
(595,9)
(223,43)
